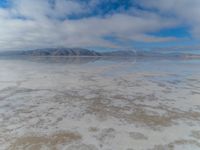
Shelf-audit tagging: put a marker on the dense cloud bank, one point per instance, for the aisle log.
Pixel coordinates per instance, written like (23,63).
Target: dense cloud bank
(93,23)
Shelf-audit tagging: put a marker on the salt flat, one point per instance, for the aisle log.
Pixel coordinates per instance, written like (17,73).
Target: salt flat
(99,104)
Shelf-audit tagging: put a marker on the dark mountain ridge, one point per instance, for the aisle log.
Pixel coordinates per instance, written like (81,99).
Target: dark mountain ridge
(80,52)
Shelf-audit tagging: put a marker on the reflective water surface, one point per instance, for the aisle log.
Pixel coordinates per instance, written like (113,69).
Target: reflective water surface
(59,103)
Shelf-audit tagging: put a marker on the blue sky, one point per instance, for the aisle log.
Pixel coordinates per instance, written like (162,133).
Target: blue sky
(100,24)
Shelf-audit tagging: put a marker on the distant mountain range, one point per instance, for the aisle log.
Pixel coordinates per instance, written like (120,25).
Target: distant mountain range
(80,52)
(66,52)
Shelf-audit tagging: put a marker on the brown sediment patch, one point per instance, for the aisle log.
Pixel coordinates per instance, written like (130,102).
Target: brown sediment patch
(39,142)
(30,143)
(163,147)
(93,129)
(141,116)
(82,147)
(106,135)
(196,134)
(139,113)
(182,142)
(171,146)
(60,138)
(138,136)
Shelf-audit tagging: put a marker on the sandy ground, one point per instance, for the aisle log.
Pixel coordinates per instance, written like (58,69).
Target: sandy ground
(99,106)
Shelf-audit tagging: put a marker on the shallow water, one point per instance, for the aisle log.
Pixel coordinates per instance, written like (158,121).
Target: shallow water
(99,104)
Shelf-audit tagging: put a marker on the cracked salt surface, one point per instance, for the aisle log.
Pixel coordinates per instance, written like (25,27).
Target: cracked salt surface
(56,103)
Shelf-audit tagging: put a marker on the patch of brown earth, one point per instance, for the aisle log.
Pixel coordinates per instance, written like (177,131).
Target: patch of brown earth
(93,129)
(39,142)
(82,147)
(140,113)
(138,136)
(106,136)
(196,134)
(171,146)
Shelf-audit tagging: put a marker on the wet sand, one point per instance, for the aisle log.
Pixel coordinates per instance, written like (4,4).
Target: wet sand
(99,104)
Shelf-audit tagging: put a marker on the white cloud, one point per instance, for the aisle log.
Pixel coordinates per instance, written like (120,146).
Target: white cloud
(30,24)
(186,11)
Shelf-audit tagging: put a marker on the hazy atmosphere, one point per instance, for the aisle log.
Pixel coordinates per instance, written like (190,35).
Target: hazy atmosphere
(99,75)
